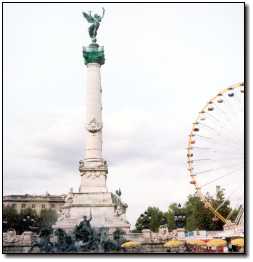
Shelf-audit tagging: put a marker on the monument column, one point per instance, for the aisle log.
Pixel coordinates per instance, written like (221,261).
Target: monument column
(93,168)
(94,125)
(105,209)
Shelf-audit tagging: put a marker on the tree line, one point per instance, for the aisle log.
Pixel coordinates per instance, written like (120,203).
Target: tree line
(27,219)
(197,215)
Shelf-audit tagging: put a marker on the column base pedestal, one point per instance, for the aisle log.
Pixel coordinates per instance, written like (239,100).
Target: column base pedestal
(93,183)
(93,176)
(104,209)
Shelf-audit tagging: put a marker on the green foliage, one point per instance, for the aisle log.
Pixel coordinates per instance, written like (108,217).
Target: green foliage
(48,217)
(28,212)
(234,214)
(171,220)
(225,208)
(27,218)
(151,219)
(198,217)
(20,222)
(170,216)
(10,218)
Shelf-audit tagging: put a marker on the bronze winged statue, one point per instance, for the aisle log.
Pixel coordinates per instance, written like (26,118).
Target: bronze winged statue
(95,21)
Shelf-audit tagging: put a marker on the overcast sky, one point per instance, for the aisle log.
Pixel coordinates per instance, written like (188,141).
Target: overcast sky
(163,63)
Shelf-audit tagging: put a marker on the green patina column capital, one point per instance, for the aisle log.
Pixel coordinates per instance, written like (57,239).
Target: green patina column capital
(94,54)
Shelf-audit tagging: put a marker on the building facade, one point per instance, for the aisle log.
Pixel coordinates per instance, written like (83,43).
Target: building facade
(35,202)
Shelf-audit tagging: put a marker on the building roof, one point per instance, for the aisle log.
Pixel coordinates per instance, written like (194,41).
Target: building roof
(34,198)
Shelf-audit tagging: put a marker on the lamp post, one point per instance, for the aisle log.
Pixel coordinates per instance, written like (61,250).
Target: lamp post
(28,223)
(146,218)
(179,217)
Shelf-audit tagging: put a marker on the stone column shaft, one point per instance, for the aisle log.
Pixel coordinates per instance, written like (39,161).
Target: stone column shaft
(93,168)
(93,132)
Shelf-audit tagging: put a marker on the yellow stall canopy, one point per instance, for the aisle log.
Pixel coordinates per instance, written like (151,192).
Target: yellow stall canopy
(238,242)
(217,243)
(174,243)
(130,244)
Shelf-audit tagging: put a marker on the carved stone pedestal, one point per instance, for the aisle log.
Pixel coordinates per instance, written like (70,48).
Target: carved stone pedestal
(93,176)
(93,201)
(105,209)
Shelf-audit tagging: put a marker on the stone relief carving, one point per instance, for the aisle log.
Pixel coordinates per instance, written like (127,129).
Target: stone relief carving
(60,214)
(120,207)
(69,197)
(65,212)
(93,172)
(94,126)
(92,167)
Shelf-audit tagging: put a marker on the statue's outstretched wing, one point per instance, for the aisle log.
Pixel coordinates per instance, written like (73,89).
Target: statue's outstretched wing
(89,18)
(103,12)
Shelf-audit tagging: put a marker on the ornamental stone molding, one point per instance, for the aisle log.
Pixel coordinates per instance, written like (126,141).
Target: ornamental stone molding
(94,126)
(97,170)
(93,174)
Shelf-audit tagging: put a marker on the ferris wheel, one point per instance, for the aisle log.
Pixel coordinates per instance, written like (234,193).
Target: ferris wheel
(215,152)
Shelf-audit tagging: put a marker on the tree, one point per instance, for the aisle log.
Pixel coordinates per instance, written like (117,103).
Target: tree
(10,218)
(27,218)
(48,217)
(235,213)
(197,216)
(170,216)
(170,220)
(151,219)
(223,206)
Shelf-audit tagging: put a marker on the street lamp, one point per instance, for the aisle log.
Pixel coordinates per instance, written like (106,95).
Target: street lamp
(29,223)
(179,217)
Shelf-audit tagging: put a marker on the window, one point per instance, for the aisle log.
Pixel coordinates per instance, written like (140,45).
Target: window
(23,205)
(52,205)
(33,205)
(14,205)
(43,206)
